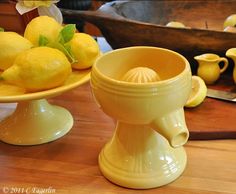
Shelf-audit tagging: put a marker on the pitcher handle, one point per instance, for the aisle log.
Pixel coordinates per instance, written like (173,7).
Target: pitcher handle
(226,63)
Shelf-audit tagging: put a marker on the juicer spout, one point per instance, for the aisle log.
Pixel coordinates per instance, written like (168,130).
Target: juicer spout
(172,126)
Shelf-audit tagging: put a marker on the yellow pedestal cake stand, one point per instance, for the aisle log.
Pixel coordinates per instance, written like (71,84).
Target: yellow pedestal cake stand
(34,120)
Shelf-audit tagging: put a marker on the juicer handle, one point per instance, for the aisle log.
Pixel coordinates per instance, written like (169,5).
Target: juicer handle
(226,63)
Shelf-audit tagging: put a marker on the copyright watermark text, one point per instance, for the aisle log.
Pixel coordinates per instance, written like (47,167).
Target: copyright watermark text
(28,190)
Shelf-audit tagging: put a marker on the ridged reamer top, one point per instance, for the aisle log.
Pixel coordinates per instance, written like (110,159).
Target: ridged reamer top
(141,75)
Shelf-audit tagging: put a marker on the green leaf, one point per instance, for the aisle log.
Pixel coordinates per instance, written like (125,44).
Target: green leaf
(1,29)
(43,41)
(67,33)
(62,48)
(68,48)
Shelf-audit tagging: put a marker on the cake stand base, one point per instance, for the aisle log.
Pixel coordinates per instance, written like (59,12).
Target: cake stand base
(35,122)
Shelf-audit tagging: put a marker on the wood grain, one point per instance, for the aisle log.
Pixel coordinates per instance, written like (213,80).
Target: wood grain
(214,119)
(135,23)
(69,165)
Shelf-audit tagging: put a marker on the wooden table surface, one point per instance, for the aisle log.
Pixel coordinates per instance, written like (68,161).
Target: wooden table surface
(70,165)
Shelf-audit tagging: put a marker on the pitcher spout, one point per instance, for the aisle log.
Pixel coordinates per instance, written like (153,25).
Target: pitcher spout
(173,127)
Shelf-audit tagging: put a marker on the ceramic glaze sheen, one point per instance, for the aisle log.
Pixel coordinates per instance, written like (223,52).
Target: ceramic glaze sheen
(209,69)
(35,121)
(231,53)
(70,164)
(146,149)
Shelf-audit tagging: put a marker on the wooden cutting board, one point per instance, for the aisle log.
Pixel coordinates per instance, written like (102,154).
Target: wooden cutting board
(214,119)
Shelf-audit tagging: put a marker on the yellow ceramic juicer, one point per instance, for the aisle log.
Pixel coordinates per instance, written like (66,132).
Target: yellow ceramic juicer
(144,89)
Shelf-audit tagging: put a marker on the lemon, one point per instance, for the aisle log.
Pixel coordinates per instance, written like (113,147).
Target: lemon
(11,44)
(85,50)
(230,29)
(198,93)
(33,3)
(230,21)
(9,90)
(42,25)
(37,69)
(175,24)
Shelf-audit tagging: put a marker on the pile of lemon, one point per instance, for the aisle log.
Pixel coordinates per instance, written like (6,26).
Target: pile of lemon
(45,56)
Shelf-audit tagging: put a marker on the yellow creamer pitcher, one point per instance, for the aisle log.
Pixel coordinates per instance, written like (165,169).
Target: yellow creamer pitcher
(209,69)
(231,53)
